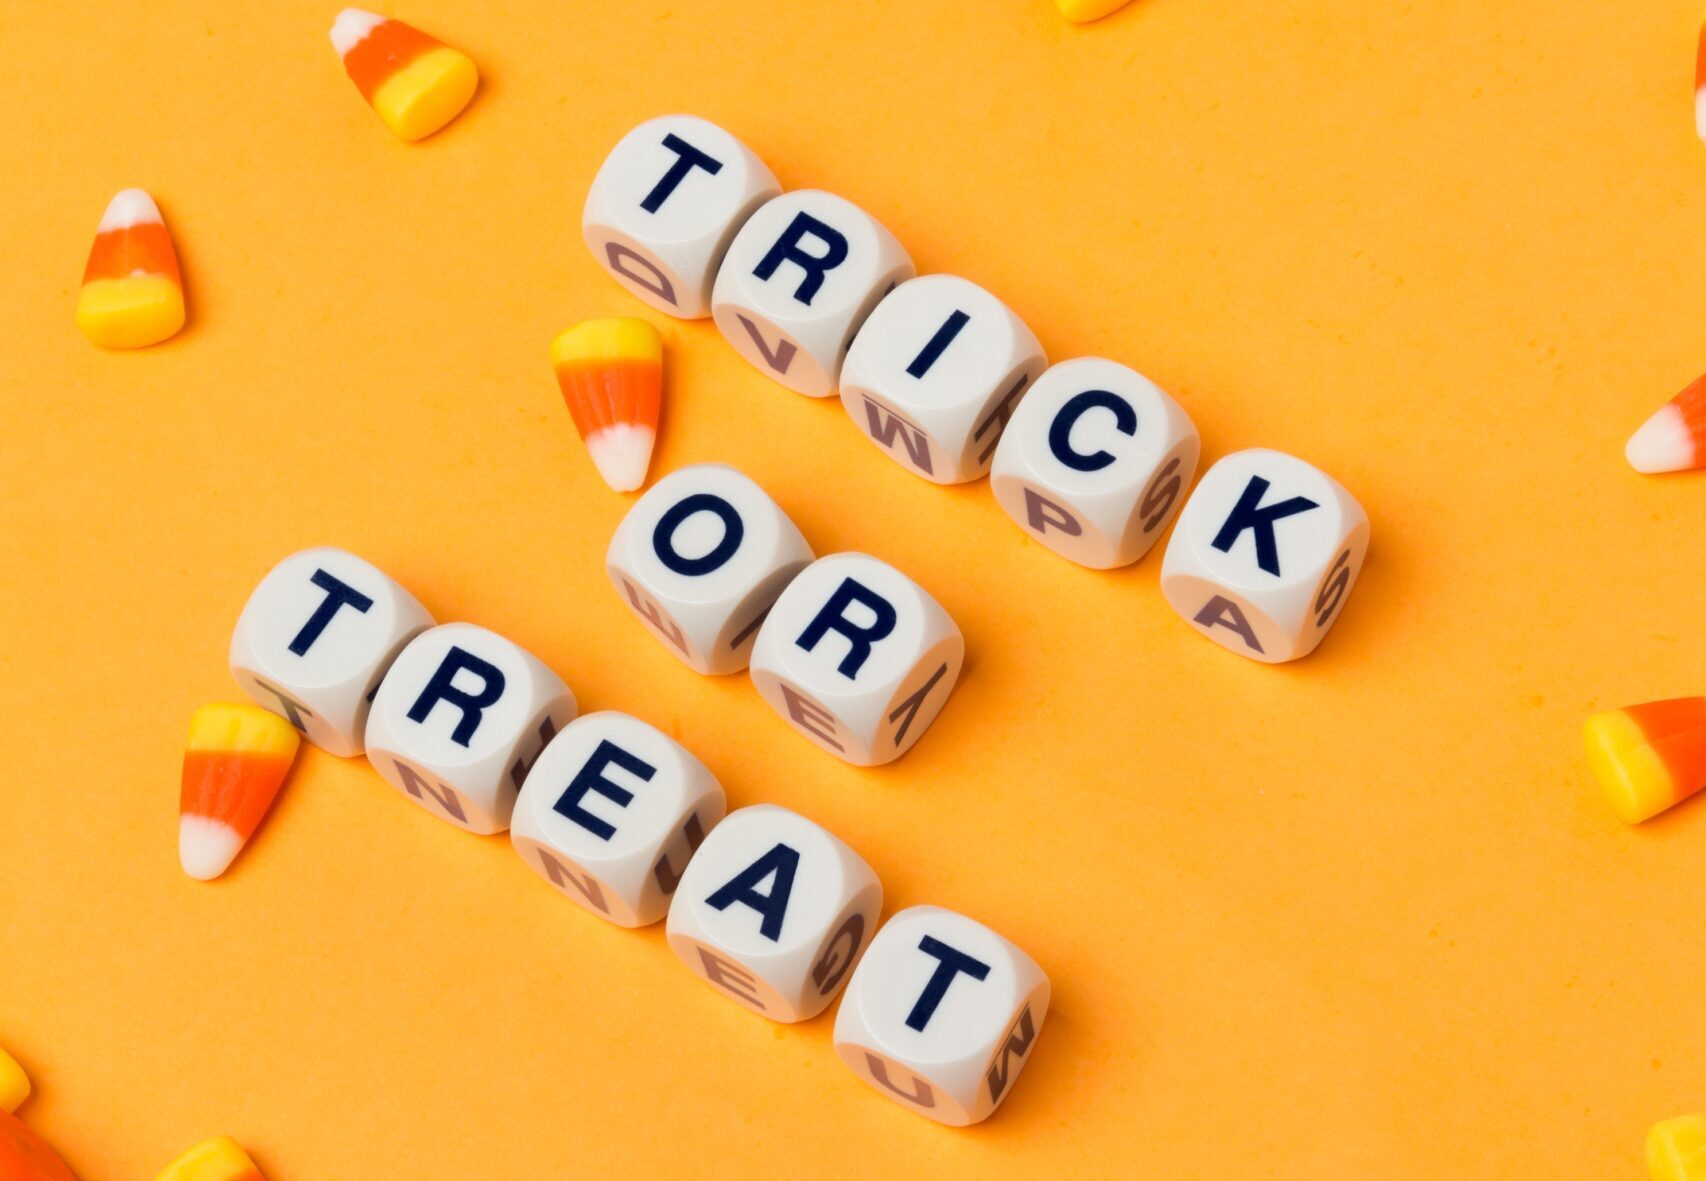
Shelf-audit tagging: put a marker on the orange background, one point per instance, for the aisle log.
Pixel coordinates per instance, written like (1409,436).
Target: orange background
(1361,916)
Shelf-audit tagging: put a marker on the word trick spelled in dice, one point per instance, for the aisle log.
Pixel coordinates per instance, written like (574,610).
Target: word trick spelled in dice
(701,559)
(315,638)
(799,280)
(610,814)
(858,658)
(459,721)
(941,1015)
(773,911)
(666,204)
(1265,554)
(1095,462)
(934,375)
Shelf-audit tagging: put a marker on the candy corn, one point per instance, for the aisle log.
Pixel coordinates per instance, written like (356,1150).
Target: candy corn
(1674,438)
(14,1083)
(218,1159)
(1648,757)
(1082,11)
(1676,1149)
(25,1156)
(611,372)
(416,83)
(234,764)
(132,293)
(1700,86)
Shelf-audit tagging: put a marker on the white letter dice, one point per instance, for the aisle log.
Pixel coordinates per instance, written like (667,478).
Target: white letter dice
(458,721)
(666,204)
(941,1015)
(773,910)
(934,375)
(1095,462)
(858,657)
(315,638)
(1265,554)
(701,558)
(610,814)
(800,278)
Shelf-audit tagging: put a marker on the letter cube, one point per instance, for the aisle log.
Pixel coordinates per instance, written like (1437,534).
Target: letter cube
(315,638)
(799,279)
(858,657)
(666,204)
(935,373)
(1265,554)
(459,720)
(610,814)
(941,1015)
(701,559)
(1095,462)
(774,910)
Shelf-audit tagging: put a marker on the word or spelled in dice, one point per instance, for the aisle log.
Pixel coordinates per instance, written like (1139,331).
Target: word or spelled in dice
(1088,457)
(772,910)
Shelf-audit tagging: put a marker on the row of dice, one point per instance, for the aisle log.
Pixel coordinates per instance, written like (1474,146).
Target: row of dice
(939,1012)
(1087,456)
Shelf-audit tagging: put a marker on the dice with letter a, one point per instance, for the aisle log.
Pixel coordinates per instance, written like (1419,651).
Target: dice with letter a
(1095,462)
(799,280)
(701,559)
(774,911)
(665,205)
(610,814)
(316,637)
(941,1015)
(1265,554)
(459,720)
(934,375)
(858,657)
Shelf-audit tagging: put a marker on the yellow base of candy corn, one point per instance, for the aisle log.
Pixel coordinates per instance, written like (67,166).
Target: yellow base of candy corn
(130,313)
(1081,11)
(14,1083)
(427,93)
(218,1159)
(608,339)
(1676,1149)
(1634,780)
(247,728)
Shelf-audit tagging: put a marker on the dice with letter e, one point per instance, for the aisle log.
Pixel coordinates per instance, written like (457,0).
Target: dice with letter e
(798,281)
(701,559)
(1095,462)
(1265,554)
(459,720)
(774,910)
(316,637)
(665,205)
(858,657)
(611,813)
(935,373)
(941,1015)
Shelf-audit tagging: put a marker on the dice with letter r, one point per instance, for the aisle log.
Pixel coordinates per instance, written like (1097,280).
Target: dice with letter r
(941,1015)
(316,637)
(1265,554)
(664,207)
(799,280)
(701,559)
(858,658)
(459,720)
(774,911)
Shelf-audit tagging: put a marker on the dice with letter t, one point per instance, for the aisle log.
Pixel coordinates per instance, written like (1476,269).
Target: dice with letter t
(941,1015)
(858,657)
(1265,554)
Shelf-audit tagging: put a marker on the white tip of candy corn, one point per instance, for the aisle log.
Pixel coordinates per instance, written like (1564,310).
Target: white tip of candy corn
(352,27)
(622,453)
(206,847)
(129,207)
(1663,444)
(1700,113)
